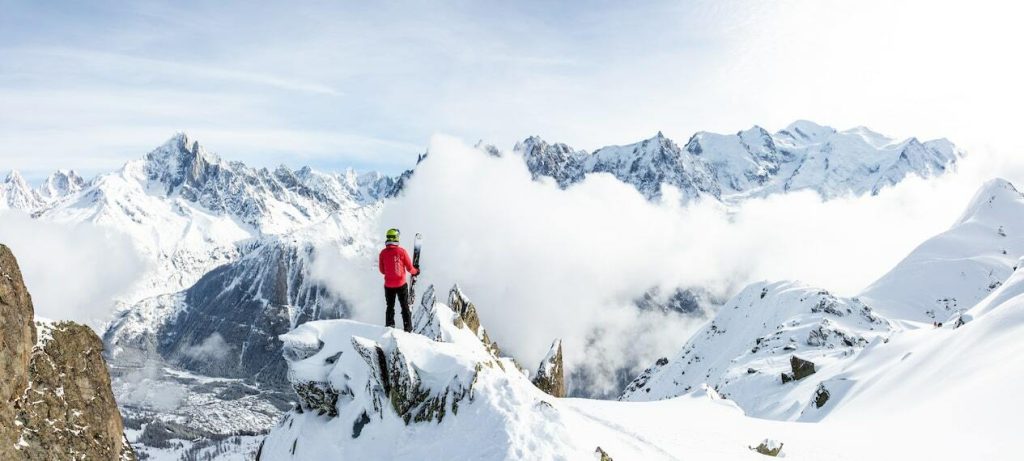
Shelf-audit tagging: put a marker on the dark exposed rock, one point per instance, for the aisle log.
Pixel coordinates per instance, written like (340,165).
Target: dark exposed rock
(318,397)
(357,426)
(550,376)
(821,396)
(58,401)
(800,369)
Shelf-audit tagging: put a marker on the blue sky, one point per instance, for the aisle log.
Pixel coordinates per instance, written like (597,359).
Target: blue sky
(89,85)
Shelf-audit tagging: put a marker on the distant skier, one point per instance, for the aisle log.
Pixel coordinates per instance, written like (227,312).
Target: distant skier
(396,265)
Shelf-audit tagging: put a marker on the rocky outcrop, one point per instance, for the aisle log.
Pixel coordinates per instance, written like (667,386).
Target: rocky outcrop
(17,336)
(59,401)
(603,454)
(768,447)
(466,314)
(821,396)
(317,396)
(69,408)
(550,376)
(396,380)
(363,374)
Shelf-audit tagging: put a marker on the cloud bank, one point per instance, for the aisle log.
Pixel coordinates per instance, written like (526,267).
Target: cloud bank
(73,272)
(541,262)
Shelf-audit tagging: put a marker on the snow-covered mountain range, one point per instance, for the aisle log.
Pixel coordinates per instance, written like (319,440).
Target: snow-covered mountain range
(230,248)
(16,193)
(752,162)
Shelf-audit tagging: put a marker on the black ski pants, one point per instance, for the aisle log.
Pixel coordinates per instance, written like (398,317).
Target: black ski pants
(402,293)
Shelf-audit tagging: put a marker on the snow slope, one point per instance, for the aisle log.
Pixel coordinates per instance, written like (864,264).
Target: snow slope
(954,270)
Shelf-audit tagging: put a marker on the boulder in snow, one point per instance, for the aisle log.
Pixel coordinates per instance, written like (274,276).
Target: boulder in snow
(800,369)
(768,447)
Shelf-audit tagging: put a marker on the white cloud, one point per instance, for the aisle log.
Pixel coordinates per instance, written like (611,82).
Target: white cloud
(541,262)
(73,272)
(145,387)
(213,348)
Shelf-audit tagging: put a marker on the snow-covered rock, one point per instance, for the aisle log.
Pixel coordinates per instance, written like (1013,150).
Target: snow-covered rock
(550,376)
(364,381)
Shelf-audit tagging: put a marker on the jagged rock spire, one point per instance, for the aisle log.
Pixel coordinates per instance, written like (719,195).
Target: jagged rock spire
(467,315)
(550,376)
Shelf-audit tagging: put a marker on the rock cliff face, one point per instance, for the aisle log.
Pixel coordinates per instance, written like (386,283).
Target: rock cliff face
(16,339)
(59,404)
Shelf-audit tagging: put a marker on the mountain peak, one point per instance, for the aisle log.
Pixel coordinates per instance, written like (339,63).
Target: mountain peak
(996,193)
(61,183)
(179,160)
(808,130)
(15,177)
(180,146)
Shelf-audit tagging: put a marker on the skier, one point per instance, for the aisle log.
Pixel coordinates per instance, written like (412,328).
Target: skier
(395,265)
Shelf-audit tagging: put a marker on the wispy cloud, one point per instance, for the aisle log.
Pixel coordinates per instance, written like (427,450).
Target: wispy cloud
(107,68)
(589,75)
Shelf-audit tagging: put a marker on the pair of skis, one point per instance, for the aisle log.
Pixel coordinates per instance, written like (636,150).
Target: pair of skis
(416,245)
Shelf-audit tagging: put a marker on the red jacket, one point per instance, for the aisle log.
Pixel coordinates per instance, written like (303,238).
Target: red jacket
(394,262)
